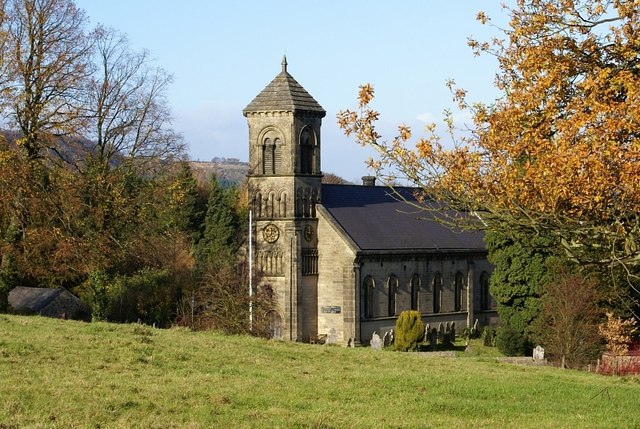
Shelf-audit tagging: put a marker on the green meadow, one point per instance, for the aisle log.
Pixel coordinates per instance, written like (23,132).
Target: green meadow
(64,374)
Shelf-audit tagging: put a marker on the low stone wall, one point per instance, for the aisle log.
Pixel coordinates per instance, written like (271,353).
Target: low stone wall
(522,360)
(619,365)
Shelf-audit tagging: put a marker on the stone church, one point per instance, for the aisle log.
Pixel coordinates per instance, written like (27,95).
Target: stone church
(345,260)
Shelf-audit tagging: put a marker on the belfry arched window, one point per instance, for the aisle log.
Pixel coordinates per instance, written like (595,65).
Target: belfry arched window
(308,151)
(277,155)
(271,148)
(267,156)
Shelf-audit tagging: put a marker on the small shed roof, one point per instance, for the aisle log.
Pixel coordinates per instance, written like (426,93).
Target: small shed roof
(32,298)
(58,303)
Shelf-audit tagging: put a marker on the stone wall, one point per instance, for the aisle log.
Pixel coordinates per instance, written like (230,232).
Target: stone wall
(336,286)
(384,270)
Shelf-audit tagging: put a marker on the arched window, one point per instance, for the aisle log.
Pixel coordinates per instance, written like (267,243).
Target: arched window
(277,156)
(267,156)
(415,292)
(437,293)
(307,151)
(485,299)
(257,205)
(392,284)
(368,287)
(271,150)
(457,297)
(282,212)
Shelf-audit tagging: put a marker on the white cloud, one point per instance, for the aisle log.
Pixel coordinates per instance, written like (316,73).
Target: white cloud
(427,118)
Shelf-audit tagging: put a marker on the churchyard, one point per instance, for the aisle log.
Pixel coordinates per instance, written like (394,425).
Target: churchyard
(65,374)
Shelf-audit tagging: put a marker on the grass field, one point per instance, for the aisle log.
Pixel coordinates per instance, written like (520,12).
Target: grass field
(63,374)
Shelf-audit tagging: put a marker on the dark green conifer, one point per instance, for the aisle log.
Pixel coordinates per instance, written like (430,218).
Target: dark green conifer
(219,238)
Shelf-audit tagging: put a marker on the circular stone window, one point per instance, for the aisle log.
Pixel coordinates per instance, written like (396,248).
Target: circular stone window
(270,233)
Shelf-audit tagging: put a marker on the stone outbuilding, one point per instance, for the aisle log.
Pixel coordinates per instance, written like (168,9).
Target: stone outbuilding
(57,303)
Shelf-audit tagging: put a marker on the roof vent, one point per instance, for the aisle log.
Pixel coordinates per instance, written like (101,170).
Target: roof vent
(368,180)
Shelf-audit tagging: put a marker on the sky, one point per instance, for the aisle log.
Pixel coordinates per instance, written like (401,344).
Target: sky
(223,53)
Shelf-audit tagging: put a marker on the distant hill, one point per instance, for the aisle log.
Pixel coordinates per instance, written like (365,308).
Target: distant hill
(232,171)
(227,170)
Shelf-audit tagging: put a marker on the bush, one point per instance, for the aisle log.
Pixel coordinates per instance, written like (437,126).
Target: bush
(409,331)
(221,302)
(147,295)
(568,324)
(511,342)
(8,280)
(488,337)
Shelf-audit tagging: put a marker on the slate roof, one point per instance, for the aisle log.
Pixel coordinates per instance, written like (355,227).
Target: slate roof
(32,298)
(284,93)
(58,303)
(376,221)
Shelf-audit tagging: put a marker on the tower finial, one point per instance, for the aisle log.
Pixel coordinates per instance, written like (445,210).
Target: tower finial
(284,63)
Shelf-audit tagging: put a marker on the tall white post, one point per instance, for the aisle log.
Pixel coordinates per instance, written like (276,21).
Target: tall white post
(250,272)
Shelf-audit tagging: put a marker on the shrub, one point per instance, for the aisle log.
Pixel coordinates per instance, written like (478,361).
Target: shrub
(409,331)
(488,337)
(147,295)
(511,342)
(221,302)
(618,333)
(568,323)
(8,280)
(520,263)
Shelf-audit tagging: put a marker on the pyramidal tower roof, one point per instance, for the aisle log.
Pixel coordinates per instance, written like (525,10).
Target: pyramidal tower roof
(284,94)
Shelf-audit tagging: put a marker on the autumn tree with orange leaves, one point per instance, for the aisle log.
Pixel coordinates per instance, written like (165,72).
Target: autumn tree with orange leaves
(558,154)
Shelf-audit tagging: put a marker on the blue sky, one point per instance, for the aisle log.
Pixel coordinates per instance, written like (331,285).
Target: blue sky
(223,53)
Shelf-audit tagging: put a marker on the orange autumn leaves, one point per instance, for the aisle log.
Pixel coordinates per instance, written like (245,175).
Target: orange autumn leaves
(559,151)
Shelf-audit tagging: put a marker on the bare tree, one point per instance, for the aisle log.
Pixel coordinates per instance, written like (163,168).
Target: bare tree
(128,111)
(568,321)
(49,54)
(333,179)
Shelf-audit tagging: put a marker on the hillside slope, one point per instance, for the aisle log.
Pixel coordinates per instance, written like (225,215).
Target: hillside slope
(56,373)
(233,172)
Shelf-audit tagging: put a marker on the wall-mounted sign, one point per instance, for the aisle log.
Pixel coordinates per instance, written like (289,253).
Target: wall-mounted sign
(332,309)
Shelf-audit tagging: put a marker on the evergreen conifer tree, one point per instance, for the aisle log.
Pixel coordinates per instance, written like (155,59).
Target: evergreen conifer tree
(520,270)
(221,223)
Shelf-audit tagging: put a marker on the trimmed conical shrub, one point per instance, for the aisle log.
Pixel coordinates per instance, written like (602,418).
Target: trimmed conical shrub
(409,331)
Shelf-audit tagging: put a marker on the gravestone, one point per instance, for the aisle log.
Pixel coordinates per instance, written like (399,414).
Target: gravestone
(433,338)
(440,333)
(376,342)
(332,338)
(446,337)
(538,353)
(392,336)
(386,340)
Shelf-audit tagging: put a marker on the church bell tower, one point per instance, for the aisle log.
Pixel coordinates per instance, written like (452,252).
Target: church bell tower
(284,183)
